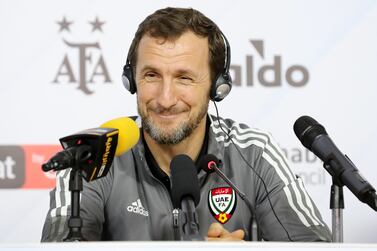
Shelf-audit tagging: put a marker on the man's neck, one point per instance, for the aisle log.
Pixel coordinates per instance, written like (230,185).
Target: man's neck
(163,154)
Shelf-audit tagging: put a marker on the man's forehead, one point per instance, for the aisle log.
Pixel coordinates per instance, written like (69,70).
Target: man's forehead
(188,41)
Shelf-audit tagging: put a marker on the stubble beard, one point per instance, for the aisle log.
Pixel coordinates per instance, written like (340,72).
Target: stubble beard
(177,134)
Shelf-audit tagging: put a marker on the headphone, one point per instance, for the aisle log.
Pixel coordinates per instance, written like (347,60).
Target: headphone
(220,88)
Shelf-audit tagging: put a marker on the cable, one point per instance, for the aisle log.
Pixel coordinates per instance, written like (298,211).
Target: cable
(247,163)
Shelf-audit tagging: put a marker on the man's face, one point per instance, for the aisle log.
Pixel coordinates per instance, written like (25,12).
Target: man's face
(173,82)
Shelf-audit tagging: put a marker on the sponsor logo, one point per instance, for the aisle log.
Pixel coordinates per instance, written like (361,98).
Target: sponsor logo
(20,166)
(299,155)
(12,166)
(306,166)
(316,177)
(91,66)
(105,155)
(35,156)
(222,202)
(269,74)
(137,208)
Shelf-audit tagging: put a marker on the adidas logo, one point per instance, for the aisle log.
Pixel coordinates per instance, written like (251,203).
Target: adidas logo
(137,208)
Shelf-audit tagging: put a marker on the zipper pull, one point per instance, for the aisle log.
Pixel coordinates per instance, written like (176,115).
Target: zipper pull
(175,217)
(177,233)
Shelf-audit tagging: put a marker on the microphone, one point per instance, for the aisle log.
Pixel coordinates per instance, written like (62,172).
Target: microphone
(94,149)
(210,163)
(185,194)
(314,137)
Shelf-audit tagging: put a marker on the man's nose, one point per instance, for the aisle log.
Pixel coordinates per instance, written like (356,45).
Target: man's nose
(167,96)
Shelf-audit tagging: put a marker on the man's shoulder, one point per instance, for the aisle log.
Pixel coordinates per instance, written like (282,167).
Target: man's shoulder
(242,134)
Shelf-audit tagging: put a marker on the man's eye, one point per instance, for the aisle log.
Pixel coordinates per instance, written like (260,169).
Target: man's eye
(185,80)
(150,76)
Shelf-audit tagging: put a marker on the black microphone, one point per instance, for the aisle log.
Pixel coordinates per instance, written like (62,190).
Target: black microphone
(210,163)
(314,137)
(93,150)
(185,194)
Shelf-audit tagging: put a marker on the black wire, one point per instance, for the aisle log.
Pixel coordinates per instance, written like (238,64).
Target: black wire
(247,163)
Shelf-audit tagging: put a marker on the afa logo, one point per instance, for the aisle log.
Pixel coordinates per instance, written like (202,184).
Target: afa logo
(88,58)
(222,202)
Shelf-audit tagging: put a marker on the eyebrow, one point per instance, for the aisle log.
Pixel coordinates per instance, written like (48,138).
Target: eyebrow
(185,71)
(177,72)
(148,68)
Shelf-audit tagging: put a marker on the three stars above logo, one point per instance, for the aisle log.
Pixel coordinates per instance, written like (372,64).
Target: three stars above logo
(97,25)
(64,25)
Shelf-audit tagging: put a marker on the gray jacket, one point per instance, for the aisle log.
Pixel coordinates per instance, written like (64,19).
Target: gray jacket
(131,204)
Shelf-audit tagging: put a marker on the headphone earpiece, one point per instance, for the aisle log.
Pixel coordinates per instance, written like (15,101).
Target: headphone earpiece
(128,78)
(221,87)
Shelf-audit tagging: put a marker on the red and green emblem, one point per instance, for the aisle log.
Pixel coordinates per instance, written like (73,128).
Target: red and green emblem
(222,202)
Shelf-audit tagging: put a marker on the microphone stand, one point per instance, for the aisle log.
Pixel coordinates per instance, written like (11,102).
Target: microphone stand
(337,199)
(75,186)
(189,221)
(336,206)
(75,221)
(254,230)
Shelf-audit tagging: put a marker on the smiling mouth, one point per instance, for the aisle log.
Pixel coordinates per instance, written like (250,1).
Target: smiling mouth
(167,115)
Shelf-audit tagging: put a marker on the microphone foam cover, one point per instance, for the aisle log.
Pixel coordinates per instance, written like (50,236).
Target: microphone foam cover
(205,160)
(307,129)
(184,180)
(128,133)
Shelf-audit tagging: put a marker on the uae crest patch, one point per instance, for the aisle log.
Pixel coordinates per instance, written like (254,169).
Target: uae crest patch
(222,202)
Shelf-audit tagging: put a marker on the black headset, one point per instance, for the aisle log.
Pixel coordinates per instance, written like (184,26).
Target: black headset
(220,88)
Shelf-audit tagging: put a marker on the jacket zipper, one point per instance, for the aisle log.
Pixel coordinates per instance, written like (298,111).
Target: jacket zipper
(176,225)
(175,213)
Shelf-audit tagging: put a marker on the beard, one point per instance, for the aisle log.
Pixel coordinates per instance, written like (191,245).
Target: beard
(161,135)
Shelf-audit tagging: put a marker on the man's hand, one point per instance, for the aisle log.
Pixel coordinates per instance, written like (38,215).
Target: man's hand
(217,232)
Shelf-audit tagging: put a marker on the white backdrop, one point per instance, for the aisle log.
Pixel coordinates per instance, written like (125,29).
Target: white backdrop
(334,42)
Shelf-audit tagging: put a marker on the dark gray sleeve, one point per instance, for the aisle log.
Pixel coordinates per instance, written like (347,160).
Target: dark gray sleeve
(92,205)
(293,206)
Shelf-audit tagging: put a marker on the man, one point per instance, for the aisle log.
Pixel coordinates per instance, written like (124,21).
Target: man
(178,61)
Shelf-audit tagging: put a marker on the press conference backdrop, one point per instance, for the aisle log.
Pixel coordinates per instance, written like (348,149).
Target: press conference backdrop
(60,68)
